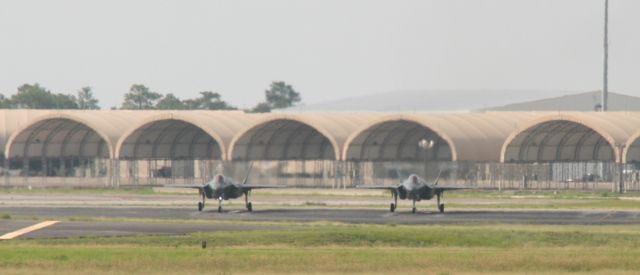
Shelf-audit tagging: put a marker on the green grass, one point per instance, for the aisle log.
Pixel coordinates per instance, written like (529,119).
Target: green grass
(546,194)
(340,248)
(86,191)
(323,234)
(569,205)
(267,260)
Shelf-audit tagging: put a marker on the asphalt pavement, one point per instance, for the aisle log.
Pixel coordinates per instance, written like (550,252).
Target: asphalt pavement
(72,223)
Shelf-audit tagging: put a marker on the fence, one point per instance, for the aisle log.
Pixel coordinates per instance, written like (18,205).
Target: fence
(323,174)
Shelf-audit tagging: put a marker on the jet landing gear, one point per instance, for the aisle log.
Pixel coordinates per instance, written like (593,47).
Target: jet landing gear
(220,205)
(413,210)
(394,204)
(440,205)
(247,202)
(201,203)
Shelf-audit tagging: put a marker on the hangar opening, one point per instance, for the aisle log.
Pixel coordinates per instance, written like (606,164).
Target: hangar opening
(558,141)
(394,149)
(167,149)
(563,151)
(398,140)
(58,147)
(633,152)
(632,169)
(283,139)
(287,150)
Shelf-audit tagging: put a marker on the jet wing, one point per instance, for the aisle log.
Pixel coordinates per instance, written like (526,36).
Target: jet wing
(381,187)
(451,188)
(192,186)
(248,187)
(393,189)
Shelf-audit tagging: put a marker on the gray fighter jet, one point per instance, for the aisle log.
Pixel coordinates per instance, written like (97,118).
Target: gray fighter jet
(416,189)
(224,188)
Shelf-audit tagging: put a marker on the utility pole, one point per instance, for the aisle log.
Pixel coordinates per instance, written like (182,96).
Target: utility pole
(605,87)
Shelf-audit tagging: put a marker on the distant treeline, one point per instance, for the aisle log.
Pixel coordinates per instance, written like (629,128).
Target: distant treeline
(140,97)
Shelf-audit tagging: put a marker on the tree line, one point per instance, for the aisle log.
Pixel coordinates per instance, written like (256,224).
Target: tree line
(140,97)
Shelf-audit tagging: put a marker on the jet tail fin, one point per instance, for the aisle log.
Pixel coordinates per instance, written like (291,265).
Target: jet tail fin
(246,176)
(438,177)
(399,175)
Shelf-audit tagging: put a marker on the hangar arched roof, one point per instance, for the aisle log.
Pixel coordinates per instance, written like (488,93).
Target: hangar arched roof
(14,120)
(571,129)
(469,136)
(221,126)
(59,126)
(297,136)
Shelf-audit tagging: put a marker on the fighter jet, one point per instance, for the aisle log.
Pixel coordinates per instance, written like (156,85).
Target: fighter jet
(416,189)
(224,188)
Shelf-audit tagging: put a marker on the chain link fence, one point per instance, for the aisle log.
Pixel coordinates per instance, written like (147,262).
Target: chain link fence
(322,173)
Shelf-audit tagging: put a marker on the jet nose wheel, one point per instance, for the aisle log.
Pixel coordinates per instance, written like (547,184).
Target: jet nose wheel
(249,207)
(413,210)
(200,206)
(441,208)
(392,207)
(219,209)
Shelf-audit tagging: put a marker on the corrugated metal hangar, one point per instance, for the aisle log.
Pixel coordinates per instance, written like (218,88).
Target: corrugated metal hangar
(135,147)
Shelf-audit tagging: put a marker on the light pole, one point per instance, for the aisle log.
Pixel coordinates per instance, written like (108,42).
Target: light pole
(605,84)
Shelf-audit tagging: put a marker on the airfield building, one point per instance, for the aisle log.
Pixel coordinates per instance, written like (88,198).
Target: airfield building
(542,150)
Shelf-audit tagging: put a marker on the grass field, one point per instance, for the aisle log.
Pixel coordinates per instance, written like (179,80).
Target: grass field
(337,248)
(340,248)
(81,191)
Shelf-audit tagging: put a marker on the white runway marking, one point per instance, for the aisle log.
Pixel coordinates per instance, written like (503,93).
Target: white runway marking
(26,230)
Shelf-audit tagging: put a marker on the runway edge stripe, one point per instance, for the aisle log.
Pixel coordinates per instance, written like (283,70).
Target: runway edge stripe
(29,229)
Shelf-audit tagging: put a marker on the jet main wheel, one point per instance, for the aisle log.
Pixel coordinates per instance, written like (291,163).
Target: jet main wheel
(392,207)
(249,206)
(413,210)
(441,207)
(200,206)
(219,209)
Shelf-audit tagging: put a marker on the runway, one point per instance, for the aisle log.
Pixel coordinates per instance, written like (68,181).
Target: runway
(189,217)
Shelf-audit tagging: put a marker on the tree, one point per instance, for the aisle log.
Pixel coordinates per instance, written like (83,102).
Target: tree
(5,103)
(262,107)
(209,101)
(280,95)
(32,97)
(86,101)
(171,102)
(62,101)
(37,97)
(139,97)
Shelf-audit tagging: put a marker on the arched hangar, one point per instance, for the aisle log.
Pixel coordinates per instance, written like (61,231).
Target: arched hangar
(67,143)
(181,144)
(300,136)
(451,137)
(572,137)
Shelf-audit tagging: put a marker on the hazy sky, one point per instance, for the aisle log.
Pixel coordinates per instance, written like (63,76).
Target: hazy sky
(327,49)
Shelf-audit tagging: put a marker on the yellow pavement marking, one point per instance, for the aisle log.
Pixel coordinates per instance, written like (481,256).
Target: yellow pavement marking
(26,230)
(607,215)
